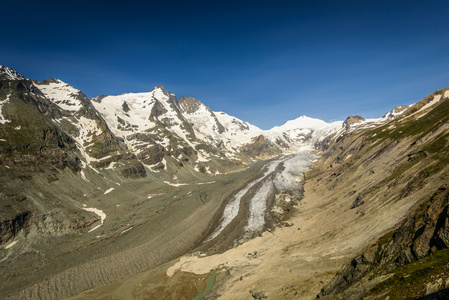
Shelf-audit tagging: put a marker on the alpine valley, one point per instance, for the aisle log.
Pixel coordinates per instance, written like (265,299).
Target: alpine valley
(151,196)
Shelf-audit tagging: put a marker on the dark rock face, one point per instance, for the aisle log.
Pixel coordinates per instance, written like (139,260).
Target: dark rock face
(357,202)
(424,232)
(352,120)
(260,147)
(9,227)
(157,111)
(31,136)
(189,104)
(133,170)
(125,106)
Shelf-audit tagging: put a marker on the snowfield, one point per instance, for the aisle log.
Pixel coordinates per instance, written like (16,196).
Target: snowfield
(2,118)
(62,94)
(99,212)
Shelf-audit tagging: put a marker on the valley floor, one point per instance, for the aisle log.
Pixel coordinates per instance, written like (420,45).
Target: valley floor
(294,261)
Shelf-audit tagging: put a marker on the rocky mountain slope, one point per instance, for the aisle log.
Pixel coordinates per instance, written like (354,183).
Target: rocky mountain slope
(403,161)
(78,173)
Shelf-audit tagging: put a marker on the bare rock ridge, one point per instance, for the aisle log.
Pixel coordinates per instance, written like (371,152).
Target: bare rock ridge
(352,120)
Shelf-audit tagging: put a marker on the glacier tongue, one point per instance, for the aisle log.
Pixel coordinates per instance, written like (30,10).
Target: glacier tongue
(288,178)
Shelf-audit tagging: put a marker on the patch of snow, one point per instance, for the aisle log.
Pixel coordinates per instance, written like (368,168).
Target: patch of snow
(10,244)
(126,230)
(237,131)
(111,165)
(149,196)
(62,94)
(88,129)
(300,123)
(97,211)
(2,118)
(175,184)
(84,176)
(202,156)
(446,94)
(124,123)
(109,190)
(435,100)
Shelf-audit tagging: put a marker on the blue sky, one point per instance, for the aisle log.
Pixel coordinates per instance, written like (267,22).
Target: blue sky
(265,62)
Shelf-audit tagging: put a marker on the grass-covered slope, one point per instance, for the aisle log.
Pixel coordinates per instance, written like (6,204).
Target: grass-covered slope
(404,161)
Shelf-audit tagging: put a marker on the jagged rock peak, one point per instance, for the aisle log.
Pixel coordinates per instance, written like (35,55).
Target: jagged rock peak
(397,111)
(352,120)
(48,81)
(162,88)
(9,74)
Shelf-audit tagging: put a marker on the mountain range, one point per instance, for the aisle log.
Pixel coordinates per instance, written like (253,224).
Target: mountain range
(93,191)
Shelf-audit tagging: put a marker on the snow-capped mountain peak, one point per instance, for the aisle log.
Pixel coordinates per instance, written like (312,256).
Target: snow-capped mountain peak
(9,74)
(156,126)
(303,122)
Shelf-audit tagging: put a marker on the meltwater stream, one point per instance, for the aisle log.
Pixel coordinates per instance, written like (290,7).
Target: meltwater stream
(290,177)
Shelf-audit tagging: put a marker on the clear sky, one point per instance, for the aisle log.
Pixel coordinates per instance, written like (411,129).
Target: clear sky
(265,62)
